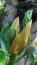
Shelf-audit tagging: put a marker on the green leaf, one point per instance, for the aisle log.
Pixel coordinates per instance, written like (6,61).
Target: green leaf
(2,58)
(3,45)
(35,63)
(5,28)
(3,32)
(1,11)
(30,50)
(32,58)
(10,36)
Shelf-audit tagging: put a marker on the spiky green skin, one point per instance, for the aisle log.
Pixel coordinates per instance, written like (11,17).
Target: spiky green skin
(26,19)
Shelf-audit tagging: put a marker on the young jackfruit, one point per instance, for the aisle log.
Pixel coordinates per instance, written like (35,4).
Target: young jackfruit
(21,39)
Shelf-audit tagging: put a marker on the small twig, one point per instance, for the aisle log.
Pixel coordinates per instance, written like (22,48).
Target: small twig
(26,60)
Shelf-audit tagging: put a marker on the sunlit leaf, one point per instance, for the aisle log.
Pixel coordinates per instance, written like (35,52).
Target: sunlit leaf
(2,5)
(2,58)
